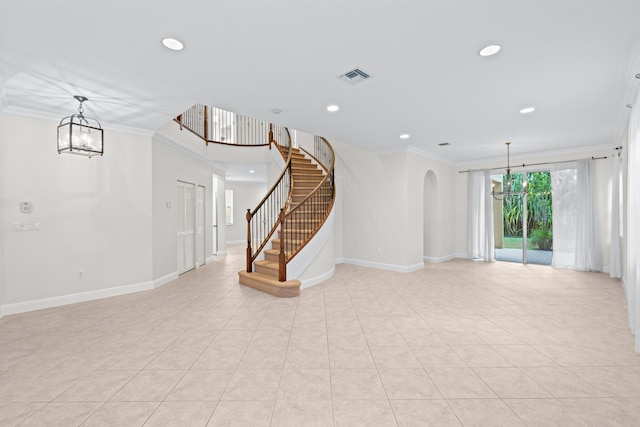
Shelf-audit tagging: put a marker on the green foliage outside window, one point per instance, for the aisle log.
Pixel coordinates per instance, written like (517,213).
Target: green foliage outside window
(539,217)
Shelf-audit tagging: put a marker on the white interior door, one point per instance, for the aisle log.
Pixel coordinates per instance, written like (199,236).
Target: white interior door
(180,228)
(186,227)
(214,214)
(200,241)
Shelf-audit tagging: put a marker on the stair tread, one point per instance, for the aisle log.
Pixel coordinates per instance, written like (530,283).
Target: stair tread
(264,277)
(267,263)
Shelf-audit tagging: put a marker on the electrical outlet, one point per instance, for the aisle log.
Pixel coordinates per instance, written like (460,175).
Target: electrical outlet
(80,274)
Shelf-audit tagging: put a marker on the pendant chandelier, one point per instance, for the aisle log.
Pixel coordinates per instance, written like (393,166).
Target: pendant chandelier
(81,135)
(508,191)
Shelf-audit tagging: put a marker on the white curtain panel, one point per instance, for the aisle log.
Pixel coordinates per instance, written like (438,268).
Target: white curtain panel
(588,253)
(564,211)
(575,222)
(615,261)
(481,241)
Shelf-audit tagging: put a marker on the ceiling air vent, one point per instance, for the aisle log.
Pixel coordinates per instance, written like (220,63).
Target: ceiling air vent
(443,144)
(355,76)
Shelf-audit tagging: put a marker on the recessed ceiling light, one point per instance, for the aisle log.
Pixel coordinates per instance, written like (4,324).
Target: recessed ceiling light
(490,50)
(276,111)
(172,44)
(332,108)
(443,144)
(527,110)
(252,171)
(405,136)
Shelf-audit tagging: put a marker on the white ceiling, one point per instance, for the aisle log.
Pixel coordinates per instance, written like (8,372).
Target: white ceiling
(574,60)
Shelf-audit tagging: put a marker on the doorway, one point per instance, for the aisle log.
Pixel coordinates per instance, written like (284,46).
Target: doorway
(523,224)
(214,214)
(186,227)
(200,214)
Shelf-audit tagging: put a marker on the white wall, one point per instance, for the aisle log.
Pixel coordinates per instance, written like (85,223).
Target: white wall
(419,164)
(631,272)
(371,209)
(246,195)
(603,171)
(380,207)
(94,215)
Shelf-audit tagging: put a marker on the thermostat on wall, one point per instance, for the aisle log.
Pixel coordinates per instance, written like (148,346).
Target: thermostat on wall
(26,207)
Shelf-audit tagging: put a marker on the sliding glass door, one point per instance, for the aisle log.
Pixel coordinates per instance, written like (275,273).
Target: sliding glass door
(539,218)
(523,223)
(508,217)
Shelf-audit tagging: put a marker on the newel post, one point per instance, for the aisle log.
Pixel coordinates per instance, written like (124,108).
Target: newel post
(206,125)
(249,262)
(270,133)
(282,260)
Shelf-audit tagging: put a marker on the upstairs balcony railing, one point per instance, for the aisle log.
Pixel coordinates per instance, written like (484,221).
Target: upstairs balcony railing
(225,127)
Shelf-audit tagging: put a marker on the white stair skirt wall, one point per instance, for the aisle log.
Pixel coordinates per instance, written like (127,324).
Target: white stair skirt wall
(301,263)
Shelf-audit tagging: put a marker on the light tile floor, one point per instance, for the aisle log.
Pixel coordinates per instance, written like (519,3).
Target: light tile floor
(458,343)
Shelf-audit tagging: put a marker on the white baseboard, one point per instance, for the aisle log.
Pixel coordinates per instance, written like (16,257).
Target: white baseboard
(221,253)
(23,307)
(165,279)
(236,242)
(383,266)
(439,259)
(307,283)
(209,259)
(462,255)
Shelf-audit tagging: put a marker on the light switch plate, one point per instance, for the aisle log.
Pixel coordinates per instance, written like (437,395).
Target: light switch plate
(26,207)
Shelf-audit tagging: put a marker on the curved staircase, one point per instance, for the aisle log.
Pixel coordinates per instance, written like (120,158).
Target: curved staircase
(305,177)
(294,209)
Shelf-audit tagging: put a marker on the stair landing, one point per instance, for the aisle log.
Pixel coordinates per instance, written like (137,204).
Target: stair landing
(269,284)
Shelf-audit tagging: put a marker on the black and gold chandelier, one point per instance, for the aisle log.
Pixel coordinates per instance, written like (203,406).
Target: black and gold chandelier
(81,135)
(508,190)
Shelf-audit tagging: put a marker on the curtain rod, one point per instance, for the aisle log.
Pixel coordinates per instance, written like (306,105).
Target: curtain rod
(537,164)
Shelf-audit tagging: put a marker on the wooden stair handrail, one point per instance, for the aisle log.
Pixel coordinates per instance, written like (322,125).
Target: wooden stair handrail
(287,166)
(252,253)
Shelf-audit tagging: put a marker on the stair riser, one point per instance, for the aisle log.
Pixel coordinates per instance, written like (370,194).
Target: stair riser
(306,169)
(266,270)
(272,257)
(307,181)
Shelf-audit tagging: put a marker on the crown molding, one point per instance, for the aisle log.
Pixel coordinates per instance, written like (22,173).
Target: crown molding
(184,150)
(41,115)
